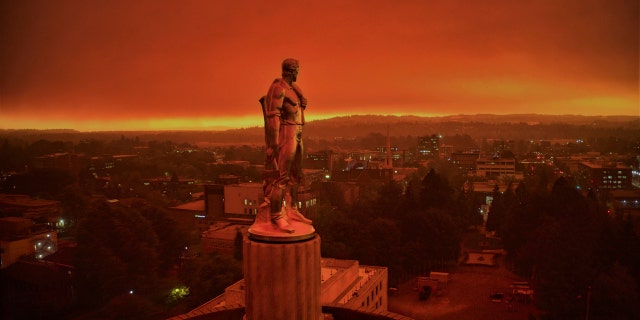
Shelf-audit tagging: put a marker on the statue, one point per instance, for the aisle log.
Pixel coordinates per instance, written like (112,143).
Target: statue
(283,110)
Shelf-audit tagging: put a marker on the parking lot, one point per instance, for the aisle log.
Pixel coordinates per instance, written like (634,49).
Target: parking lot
(465,297)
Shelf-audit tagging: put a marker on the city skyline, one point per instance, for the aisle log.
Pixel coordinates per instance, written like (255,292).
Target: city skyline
(150,65)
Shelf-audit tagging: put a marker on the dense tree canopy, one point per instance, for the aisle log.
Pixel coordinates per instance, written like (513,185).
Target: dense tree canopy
(572,249)
(406,229)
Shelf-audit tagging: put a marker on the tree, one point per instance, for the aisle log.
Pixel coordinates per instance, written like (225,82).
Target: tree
(435,191)
(116,253)
(496,211)
(208,275)
(522,219)
(75,202)
(40,182)
(130,305)
(171,237)
(568,251)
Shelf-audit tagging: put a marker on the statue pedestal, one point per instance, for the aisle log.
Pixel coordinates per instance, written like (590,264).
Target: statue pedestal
(282,278)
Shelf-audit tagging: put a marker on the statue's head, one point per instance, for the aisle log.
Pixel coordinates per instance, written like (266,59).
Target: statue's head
(290,69)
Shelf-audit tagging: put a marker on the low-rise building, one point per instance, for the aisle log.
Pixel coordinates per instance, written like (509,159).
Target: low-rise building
(41,211)
(191,215)
(221,238)
(465,161)
(495,167)
(606,175)
(240,202)
(20,237)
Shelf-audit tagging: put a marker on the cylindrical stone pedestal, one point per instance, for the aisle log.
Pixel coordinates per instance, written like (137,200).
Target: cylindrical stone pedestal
(282,279)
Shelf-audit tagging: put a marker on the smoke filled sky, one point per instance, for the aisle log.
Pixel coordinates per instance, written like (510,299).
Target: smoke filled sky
(117,65)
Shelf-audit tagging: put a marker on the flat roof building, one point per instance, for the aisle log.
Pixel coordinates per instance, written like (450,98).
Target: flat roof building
(345,284)
(606,175)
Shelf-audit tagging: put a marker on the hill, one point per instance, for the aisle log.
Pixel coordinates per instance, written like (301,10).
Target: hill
(480,126)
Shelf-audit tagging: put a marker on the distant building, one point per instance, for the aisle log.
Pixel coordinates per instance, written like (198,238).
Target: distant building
(465,161)
(606,175)
(214,201)
(363,176)
(226,179)
(495,167)
(235,163)
(240,202)
(191,215)
(573,163)
(534,162)
(40,211)
(20,237)
(320,160)
(64,161)
(445,152)
(626,204)
(161,183)
(109,161)
(500,146)
(221,237)
(429,146)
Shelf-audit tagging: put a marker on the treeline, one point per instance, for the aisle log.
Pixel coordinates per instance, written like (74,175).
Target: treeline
(411,228)
(578,254)
(604,134)
(133,261)
(157,159)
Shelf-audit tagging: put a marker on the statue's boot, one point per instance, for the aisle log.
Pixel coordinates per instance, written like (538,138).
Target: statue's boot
(281,222)
(294,214)
(263,216)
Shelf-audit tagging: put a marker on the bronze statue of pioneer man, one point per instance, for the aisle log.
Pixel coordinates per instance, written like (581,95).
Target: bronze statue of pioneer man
(283,109)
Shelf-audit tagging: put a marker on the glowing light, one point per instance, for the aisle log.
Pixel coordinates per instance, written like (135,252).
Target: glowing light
(177,293)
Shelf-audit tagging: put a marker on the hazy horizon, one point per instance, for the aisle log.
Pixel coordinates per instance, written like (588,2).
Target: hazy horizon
(452,117)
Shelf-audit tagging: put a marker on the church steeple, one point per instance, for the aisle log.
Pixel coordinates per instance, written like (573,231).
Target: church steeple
(388,163)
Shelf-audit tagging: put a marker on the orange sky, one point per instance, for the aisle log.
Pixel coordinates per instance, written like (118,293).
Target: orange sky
(113,65)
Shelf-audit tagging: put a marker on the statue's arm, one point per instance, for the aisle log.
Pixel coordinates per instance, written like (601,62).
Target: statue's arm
(301,97)
(274,101)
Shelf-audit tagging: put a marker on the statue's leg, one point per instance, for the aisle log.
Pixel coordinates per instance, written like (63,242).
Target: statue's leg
(286,154)
(295,174)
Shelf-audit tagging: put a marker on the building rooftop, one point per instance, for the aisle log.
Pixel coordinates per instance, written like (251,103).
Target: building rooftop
(224,230)
(603,165)
(19,200)
(197,205)
(349,273)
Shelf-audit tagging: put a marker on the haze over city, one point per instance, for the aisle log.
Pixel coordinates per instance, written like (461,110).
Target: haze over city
(149,65)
